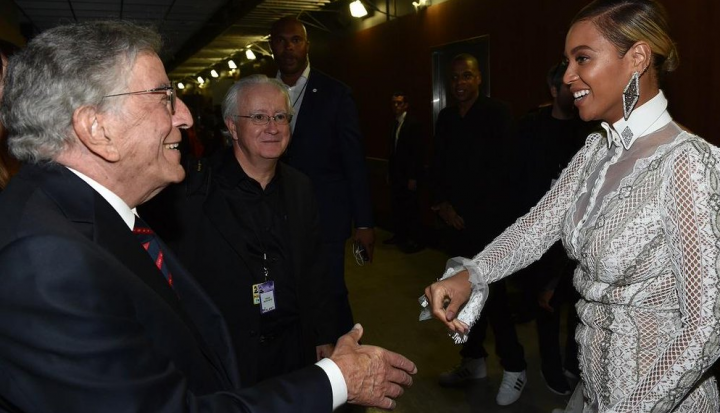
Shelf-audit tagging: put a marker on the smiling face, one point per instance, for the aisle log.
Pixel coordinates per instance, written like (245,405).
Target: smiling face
(259,145)
(596,73)
(464,80)
(145,133)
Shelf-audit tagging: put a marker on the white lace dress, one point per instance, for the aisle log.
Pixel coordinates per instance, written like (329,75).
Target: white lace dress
(640,212)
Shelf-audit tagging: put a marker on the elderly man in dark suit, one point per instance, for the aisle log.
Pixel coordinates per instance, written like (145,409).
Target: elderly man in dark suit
(327,146)
(243,220)
(93,319)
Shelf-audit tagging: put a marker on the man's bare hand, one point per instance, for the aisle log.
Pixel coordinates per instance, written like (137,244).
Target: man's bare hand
(447,296)
(449,215)
(544,298)
(375,377)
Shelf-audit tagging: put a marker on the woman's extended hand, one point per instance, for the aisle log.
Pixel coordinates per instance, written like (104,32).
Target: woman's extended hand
(447,296)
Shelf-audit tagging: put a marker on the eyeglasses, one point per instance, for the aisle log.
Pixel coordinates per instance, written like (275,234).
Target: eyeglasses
(263,119)
(168,90)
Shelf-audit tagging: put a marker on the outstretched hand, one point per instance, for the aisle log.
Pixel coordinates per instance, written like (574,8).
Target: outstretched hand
(375,377)
(447,296)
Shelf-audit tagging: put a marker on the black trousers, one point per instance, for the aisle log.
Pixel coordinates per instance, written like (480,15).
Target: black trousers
(405,212)
(496,314)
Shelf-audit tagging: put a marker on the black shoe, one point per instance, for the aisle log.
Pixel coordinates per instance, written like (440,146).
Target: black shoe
(410,247)
(556,383)
(391,241)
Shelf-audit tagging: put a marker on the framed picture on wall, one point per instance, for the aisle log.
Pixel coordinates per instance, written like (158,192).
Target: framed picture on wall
(441,57)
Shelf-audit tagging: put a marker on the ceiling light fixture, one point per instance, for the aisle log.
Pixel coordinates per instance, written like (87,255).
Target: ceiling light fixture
(181,85)
(200,80)
(231,64)
(357,9)
(421,4)
(250,55)
(214,73)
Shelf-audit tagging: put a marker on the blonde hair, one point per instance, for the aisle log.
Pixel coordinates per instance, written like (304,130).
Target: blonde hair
(625,22)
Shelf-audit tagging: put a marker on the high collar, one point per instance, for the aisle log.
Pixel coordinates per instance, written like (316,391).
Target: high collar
(644,120)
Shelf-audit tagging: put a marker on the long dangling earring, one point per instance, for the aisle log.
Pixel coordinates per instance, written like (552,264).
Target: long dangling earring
(631,94)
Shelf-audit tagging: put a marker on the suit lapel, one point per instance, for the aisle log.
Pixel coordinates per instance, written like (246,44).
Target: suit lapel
(98,220)
(310,100)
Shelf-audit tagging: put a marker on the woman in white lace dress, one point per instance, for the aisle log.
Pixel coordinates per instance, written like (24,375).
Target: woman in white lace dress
(639,210)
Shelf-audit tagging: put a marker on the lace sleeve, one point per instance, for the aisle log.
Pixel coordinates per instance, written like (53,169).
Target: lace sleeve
(691,216)
(531,235)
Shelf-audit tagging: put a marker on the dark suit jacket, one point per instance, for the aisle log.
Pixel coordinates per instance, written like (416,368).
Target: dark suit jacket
(475,167)
(88,324)
(406,155)
(327,146)
(195,219)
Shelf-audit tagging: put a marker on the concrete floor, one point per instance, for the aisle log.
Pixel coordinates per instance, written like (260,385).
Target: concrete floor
(384,299)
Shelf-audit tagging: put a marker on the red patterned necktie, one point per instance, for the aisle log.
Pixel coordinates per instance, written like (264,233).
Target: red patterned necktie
(150,242)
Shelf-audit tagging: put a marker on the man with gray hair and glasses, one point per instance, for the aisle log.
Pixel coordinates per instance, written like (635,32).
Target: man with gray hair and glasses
(247,227)
(96,315)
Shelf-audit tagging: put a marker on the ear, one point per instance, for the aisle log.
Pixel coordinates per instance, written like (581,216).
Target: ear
(88,127)
(640,55)
(231,128)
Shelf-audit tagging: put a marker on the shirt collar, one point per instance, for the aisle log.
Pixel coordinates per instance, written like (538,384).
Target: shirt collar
(126,213)
(644,120)
(401,118)
(233,175)
(303,77)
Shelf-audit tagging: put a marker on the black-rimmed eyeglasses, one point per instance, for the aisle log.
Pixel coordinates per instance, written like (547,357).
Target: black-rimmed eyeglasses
(263,119)
(168,90)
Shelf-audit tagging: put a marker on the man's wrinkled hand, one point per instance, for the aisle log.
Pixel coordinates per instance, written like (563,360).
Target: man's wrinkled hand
(449,215)
(375,377)
(447,296)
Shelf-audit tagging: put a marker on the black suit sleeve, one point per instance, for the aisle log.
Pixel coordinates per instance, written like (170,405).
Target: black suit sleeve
(74,337)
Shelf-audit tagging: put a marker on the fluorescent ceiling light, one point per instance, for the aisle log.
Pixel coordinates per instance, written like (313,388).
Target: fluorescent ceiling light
(213,73)
(231,64)
(181,85)
(249,54)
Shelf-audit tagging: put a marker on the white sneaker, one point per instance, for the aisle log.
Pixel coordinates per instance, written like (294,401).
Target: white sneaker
(511,387)
(469,369)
